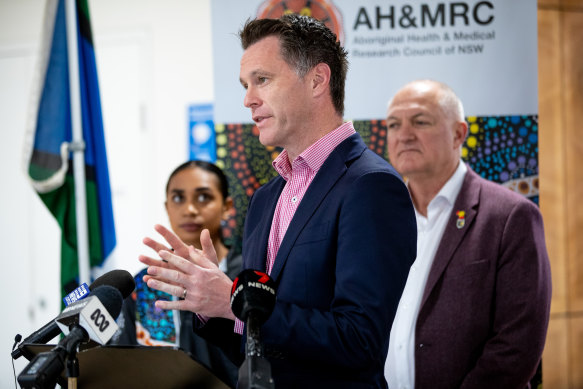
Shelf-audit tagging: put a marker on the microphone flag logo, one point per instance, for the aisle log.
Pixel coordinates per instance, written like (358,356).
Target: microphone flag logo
(263,278)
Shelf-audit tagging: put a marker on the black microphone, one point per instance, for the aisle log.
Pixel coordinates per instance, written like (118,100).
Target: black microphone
(122,280)
(92,318)
(252,301)
(96,314)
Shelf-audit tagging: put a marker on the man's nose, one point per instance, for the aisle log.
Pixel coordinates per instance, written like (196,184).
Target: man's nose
(406,132)
(251,99)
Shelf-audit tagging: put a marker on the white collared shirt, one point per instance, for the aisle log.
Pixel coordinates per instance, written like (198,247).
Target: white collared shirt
(400,363)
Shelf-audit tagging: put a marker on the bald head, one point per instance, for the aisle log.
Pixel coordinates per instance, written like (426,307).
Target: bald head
(426,130)
(444,96)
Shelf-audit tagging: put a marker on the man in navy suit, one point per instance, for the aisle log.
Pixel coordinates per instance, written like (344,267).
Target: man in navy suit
(475,309)
(335,230)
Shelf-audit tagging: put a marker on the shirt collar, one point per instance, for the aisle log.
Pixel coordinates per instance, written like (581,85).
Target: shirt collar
(453,186)
(315,155)
(446,196)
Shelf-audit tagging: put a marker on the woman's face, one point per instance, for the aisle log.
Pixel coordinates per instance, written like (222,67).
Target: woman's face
(194,202)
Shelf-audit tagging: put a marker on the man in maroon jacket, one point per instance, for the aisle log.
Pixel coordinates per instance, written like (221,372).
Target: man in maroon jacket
(475,309)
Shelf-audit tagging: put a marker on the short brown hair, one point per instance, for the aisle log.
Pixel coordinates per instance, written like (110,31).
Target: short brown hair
(305,42)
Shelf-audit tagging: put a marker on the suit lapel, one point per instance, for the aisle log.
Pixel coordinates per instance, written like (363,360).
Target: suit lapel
(258,242)
(467,200)
(333,168)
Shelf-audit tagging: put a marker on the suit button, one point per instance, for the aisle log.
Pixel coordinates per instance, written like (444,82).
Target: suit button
(421,345)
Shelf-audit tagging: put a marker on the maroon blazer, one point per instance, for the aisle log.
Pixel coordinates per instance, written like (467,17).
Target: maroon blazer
(485,309)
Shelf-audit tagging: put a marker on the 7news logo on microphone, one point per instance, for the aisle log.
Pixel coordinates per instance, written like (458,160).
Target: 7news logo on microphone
(92,316)
(253,291)
(252,279)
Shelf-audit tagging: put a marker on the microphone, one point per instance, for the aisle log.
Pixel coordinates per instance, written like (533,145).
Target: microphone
(253,294)
(96,314)
(90,319)
(252,301)
(122,280)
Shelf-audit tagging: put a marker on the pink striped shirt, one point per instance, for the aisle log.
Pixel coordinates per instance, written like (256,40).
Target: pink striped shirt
(298,175)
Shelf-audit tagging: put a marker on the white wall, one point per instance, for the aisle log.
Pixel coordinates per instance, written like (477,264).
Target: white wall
(154,59)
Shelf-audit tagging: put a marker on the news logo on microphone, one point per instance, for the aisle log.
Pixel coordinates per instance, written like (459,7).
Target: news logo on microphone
(91,314)
(253,291)
(78,294)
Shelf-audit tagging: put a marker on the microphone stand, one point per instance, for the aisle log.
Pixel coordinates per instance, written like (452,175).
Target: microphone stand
(255,372)
(77,335)
(44,369)
(72,370)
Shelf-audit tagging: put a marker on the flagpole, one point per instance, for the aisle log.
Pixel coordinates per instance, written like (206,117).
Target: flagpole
(77,146)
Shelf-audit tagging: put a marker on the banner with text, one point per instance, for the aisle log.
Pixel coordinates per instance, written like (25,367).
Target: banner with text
(485,50)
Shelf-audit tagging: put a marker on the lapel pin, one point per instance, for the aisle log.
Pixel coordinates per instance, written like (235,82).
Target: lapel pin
(461,221)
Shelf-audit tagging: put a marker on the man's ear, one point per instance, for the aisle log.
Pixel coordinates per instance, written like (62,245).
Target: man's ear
(460,133)
(320,77)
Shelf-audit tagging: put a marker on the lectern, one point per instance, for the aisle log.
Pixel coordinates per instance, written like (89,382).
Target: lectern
(127,367)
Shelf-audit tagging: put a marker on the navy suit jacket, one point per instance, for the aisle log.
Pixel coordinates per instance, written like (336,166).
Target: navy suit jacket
(485,309)
(340,270)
